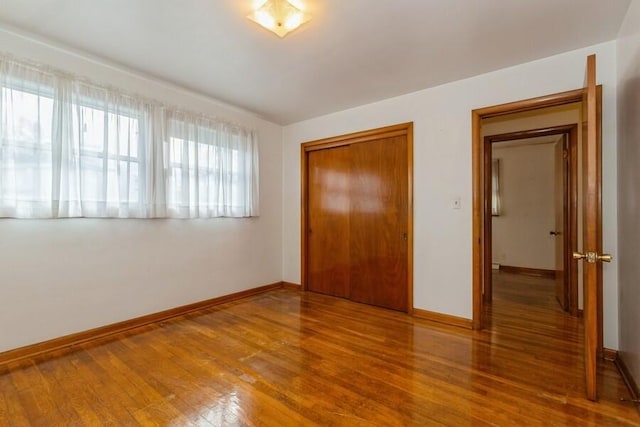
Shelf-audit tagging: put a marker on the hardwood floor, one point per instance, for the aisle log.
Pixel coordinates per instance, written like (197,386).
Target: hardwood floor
(290,358)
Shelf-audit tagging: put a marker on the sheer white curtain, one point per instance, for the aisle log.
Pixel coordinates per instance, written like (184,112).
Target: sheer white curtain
(26,117)
(211,168)
(69,148)
(104,162)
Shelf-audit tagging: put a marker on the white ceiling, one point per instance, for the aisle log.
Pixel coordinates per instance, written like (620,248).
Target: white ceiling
(352,52)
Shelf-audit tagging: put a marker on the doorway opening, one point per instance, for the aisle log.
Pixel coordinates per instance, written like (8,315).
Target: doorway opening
(592,256)
(531,178)
(482,266)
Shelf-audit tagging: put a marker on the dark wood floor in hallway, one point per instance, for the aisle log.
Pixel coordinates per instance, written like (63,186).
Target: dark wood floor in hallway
(291,358)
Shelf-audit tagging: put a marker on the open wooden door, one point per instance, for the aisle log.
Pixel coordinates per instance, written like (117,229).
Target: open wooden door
(591,255)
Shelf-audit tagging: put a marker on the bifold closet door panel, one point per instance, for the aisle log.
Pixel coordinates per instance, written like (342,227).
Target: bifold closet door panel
(378,223)
(328,254)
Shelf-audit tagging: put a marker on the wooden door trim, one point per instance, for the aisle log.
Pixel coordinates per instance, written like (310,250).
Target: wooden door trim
(571,234)
(487,294)
(573,221)
(591,236)
(354,138)
(477,115)
(545,101)
(600,310)
(403,129)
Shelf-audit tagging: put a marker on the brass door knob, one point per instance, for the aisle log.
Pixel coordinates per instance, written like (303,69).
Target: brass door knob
(605,258)
(592,257)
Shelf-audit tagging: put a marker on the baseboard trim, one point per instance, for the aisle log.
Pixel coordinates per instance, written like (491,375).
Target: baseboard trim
(60,343)
(445,319)
(610,355)
(632,385)
(292,286)
(526,271)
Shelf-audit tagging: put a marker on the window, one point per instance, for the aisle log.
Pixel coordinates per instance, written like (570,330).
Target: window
(69,149)
(26,113)
(495,188)
(108,143)
(210,169)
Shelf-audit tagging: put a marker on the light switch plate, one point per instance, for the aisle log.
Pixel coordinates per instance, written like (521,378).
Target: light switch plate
(457,203)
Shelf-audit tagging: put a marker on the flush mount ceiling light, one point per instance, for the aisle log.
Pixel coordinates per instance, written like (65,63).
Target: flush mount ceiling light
(279,16)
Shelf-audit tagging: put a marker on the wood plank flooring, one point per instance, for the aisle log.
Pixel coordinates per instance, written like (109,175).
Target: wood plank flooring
(290,358)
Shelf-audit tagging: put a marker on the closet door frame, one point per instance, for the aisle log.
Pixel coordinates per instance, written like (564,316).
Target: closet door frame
(404,129)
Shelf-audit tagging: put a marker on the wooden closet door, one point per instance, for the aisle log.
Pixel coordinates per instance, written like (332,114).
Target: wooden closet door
(378,223)
(328,234)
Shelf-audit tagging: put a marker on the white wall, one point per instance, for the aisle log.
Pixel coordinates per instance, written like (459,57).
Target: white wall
(442,164)
(63,276)
(520,234)
(629,187)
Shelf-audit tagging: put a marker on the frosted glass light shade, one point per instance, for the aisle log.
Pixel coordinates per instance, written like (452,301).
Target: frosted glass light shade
(279,16)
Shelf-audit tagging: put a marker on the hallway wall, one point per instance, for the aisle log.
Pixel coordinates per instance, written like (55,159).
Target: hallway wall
(629,188)
(520,234)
